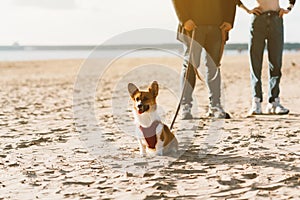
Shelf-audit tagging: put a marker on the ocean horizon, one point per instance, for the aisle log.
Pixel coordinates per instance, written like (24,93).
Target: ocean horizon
(27,53)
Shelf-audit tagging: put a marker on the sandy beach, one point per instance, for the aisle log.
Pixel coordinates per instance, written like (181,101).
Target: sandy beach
(50,149)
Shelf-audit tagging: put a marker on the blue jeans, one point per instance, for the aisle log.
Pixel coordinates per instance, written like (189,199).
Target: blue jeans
(267,27)
(208,37)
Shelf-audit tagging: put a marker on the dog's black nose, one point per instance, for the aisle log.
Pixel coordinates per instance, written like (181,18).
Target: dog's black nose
(140,106)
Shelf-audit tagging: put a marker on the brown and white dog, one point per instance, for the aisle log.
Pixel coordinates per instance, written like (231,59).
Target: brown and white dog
(153,136)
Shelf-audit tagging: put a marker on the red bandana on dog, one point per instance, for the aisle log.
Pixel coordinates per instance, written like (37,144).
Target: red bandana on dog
(150,134)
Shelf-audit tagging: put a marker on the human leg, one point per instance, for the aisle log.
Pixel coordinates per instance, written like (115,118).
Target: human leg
(213,74)
(212,54)
(275,48)
(188,77)
(256,51)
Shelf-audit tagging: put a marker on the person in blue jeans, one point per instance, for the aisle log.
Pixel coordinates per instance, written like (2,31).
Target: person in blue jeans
(266,28)
(211,20)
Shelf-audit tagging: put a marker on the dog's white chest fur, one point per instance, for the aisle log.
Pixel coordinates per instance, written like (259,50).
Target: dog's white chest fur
(146,120)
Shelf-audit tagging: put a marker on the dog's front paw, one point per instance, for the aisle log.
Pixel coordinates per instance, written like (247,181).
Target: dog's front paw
(142,153)
(160,152)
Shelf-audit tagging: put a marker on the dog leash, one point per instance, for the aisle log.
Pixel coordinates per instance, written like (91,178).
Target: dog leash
(185,78)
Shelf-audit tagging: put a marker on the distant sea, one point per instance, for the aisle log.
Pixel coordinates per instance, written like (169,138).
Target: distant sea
(27,53)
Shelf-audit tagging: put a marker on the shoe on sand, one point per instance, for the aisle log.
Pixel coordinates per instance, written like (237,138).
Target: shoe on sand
(217,112)
(256,107)
(186,112)
(276,108)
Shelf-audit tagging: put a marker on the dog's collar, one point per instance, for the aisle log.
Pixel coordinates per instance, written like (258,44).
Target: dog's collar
(150,134)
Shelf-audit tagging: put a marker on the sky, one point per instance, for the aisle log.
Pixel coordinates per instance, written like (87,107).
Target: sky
(92,22)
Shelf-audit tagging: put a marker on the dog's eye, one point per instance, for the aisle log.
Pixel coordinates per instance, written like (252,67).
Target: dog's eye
(137,99)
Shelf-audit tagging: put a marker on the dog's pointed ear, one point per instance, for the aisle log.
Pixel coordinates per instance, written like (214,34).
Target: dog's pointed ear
(153,89)
(132,89)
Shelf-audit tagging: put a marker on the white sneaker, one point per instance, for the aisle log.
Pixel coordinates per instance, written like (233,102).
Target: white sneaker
(217,112)
(276,108)
(256,107)
(186,112)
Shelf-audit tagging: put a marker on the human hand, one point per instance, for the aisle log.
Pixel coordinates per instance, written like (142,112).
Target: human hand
(255,11)
(226,27)
(189,25)
(283,12)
